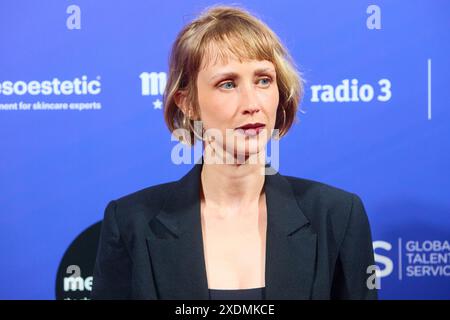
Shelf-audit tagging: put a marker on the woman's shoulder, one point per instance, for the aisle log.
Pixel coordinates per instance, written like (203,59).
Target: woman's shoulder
(141,203)
(321,201)
(306,188)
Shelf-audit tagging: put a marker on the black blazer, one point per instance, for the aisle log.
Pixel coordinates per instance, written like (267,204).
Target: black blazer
(318,243)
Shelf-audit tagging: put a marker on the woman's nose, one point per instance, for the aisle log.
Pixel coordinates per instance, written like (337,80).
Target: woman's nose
(251,109)
(249,100)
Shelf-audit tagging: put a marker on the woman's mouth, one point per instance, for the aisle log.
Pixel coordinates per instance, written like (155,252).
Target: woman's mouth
(251,129)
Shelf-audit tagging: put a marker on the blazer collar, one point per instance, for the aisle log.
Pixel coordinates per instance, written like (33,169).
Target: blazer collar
(175,243)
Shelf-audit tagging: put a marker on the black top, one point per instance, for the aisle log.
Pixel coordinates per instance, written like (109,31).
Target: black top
(318,246)
(237,294)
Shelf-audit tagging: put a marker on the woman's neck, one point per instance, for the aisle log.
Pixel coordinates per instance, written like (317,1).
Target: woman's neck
(232,186)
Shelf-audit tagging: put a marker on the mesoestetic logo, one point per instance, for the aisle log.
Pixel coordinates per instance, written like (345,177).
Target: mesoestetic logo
(76,86)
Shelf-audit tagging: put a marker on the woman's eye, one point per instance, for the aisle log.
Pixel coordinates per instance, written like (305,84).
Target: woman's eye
(230,84)
(226,85)
(267,81)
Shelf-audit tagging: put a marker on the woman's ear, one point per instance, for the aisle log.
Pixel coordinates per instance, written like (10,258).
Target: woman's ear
(180,99)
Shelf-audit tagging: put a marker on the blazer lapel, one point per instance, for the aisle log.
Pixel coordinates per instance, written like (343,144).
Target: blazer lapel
(290,243)
(175,243)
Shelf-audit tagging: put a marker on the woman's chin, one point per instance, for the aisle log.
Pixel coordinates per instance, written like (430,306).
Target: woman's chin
(245,152)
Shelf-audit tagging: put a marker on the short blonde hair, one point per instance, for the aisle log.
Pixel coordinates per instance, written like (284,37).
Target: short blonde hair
(236,33)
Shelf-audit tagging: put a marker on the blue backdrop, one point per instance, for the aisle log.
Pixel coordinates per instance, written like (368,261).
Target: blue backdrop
(80,123)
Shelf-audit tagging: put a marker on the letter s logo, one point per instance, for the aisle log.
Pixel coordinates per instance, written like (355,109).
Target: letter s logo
(388,264)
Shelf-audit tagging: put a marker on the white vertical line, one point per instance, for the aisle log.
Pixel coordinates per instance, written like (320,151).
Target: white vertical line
(429,89)
(400,258)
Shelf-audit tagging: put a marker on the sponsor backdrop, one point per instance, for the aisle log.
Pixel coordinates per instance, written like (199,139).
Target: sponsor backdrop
(81,123)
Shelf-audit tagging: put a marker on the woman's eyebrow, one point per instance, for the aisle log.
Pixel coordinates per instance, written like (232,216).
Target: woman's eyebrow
(234,74)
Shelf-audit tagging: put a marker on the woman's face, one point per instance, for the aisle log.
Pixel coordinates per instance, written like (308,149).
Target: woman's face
(234,94)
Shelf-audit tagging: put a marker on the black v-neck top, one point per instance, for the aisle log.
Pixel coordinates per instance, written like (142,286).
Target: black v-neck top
(237,294)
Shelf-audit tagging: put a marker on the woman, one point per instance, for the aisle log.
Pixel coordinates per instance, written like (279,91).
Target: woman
(229,228)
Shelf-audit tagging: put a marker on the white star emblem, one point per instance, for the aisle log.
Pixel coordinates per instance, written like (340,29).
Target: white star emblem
(157,104)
